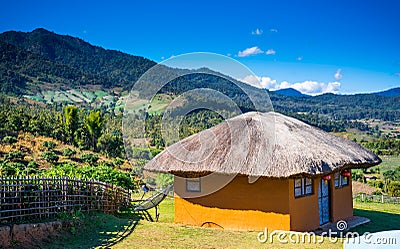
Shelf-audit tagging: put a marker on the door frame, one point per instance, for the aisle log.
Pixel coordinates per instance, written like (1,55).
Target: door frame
(329,199)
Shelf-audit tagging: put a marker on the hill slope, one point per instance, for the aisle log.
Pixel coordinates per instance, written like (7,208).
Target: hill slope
(394,92)
(41,60)
(290,92)
(112,68)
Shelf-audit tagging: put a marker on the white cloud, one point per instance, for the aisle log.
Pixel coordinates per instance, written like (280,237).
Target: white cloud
(257,32)
(313,87)
(299,58)
(338,74)
(260,82)
(250,51)
(270,51)
(307,87)
(273,30)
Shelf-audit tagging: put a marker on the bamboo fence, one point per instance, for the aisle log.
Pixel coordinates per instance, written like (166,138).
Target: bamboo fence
(41,198)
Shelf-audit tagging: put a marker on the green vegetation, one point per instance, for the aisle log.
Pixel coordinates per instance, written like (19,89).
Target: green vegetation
(14,155)
(69,152)
(383,216)
(107,231)
(101,173)
(91,159)
(387,173)
(41,58)
(92,231)
(50,156)
(49,145)
(9,139)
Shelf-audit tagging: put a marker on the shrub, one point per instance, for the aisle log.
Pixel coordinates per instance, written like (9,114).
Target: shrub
(69,152)
(49,145)
(106,164)
(29,171)
(9,139)
(139,153)
(154,152)
(118,162)
(50,156)
(33,165)
(14,155)
(7,170)
(164,180)
(100,173)
(394,189)
(91,159)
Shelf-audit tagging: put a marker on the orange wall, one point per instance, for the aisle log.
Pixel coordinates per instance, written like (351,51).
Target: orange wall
(341,202)
(266,203)
(238,205)
(304,211)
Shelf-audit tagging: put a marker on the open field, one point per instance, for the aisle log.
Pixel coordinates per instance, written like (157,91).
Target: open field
(389,163)
(127,231)
(75,96)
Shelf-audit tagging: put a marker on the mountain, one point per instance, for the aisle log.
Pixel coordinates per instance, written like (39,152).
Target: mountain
(42,61)
(394,92)
(108,68)
(290,92)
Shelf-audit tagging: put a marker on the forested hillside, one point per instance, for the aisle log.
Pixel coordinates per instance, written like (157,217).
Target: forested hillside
(70,60)
(42,60)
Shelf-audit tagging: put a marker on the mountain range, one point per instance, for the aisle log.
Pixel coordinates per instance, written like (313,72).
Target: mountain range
(37,61)
(290,92)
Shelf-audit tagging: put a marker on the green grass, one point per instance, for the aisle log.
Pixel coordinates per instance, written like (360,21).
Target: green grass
(100,94)
(97,230)
(389,163)
(383,216)
(167,234)
(159,103)
(126,231)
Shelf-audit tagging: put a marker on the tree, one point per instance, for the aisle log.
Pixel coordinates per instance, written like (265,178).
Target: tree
(164,179)
(94,124)
(70,122)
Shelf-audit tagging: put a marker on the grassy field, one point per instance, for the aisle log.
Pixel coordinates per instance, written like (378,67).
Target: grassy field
(129,231)
(383,217)
(389,163)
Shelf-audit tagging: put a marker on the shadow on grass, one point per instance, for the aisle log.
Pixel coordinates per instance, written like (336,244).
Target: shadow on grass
(95,231)
(380,221)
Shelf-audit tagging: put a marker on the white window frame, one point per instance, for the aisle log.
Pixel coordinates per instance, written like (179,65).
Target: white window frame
(304,185)
(193,185)
(341,181)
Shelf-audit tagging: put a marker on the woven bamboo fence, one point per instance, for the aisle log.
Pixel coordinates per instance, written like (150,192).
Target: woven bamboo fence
(41,198)
(376,198)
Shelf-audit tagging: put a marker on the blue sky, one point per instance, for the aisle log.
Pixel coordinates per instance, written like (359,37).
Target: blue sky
(313,46)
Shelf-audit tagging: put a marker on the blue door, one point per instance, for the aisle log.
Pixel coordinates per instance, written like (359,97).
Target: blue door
(323,202)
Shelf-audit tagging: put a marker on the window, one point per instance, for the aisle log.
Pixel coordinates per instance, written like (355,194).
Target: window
(193,185)
(341,181)
(303,187)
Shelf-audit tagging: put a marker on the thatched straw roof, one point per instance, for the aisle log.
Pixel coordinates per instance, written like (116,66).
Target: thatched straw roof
(262,144)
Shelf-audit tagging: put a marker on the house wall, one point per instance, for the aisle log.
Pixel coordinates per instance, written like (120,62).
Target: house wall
(238,205)
(304,211)
(341,201)
(267,203)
